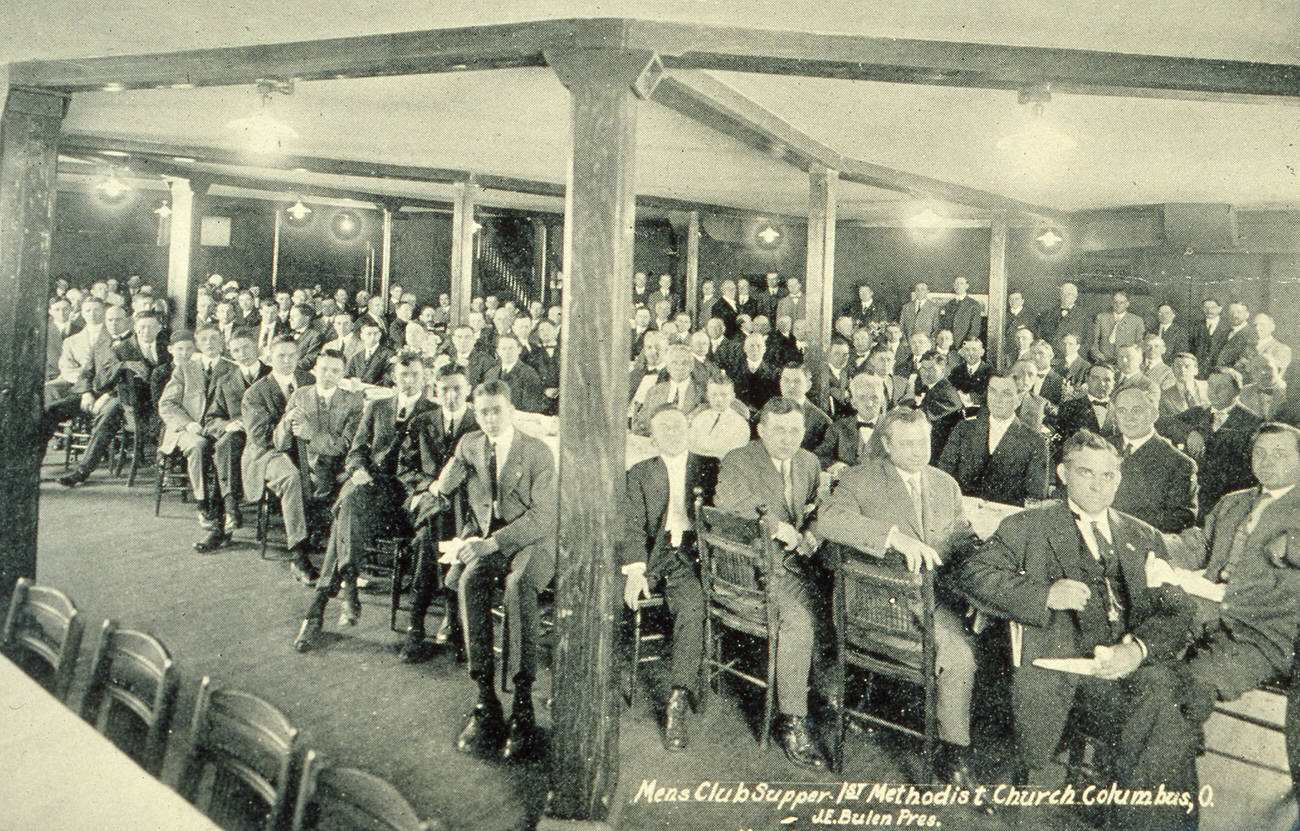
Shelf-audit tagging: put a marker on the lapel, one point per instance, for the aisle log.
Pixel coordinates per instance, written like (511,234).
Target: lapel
(900,487)
(1273,522)
(1234,515)
(771,481)
(982,428)
(658,483)
(1065,542)
(1132,560)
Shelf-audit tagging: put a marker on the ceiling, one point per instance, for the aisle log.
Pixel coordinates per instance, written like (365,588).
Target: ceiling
(515,122)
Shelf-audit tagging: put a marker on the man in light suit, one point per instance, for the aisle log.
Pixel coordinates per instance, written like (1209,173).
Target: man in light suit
(1072,575)
(1067,318)
(1272,349)
(681,390)
(893,500)
(1033,407)
(1187,390)
(1115,329)
(995,455)
(1159,483)
(509,482)
(262,465)
(919,313)
(722,424)
(775,473)
(658,509)
(795,304)
(193,422)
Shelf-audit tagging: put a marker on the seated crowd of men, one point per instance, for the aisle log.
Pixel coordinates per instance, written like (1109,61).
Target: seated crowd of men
(871,447)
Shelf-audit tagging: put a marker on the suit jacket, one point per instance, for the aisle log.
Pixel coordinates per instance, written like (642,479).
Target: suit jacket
(1076,372)
(526,391)
(126,370)
(874,317)
(662,393)
(1078,414)
(1161,375)
(1277,352)
(1264,399)
(1012,322)
(1261,606)
(190,397)
(655,296)
(748,480)
(1053,387)
(526,493)
(870,498)
(1032,410)
(1158,485)
(973,383)
(1055,323)
(754,389)
(77,356)
(704,312)
(645,510)
(1176,338)
(546,366)
(426,450)
(333,426)
(230,392)
(377,370)
(815,426)
(943,407)
(475,366)
(726,312)
(961,317)
(1173,400)
(1225,466)
(1016,471)
(1128,331)
(310,342)
(797,309)
(1009,577)
(397,333)
(53,349)
(261,409)
(833,392)
(1238,347)
(1206,347)
(913,319)
(842,443)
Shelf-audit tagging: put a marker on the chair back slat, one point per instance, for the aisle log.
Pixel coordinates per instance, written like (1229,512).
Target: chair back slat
(736,558)
(348,799)
(245,739)
(43,624)
(133,674)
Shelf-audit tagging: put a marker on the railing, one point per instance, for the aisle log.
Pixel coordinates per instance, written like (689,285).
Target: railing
(496,272)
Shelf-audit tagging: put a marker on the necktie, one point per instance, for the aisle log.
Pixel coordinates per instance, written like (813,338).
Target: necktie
(787,484)
(492,473)
(1216,421)
(1106,553)
(1127,450)
(914,490)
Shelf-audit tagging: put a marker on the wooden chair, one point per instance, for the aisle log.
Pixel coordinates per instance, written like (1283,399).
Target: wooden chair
(545,630)
(172,478)
(132,691)
(884,625)
(348,799)
(266,505)
(390,558)
(640,638)
(738,561)
(42,634)
(251,750)
(76,437)
(128,446)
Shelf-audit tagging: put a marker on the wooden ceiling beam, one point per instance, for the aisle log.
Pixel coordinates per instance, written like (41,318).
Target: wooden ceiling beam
(975,65)
(721,107)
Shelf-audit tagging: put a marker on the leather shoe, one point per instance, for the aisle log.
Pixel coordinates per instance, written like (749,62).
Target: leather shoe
(413,649)
(484,732)
(679,707)
(308,634)
(952,766)
(214,540)
(304,573)
(521,735)
(798,744)
(351,609)
(71,480)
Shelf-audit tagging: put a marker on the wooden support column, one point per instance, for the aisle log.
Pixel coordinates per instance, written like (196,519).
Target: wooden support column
(181,243)
(997,286)
(693,264)
(462,251)
(600,215)
(819,275)
(29,152)
(386,254)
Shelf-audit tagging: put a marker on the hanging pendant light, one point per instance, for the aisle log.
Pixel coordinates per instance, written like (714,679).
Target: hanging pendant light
(261,133)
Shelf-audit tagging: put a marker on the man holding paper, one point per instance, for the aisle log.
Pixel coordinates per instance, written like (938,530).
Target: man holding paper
(1071,574)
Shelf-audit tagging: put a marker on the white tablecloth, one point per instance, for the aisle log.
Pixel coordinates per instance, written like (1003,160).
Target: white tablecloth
(58,774)
(547,429)
(984,516)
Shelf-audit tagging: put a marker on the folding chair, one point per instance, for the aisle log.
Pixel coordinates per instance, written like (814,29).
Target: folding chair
(42,634)
(333,797)
(251,750)
(738,562)
(132,691)
(884,625)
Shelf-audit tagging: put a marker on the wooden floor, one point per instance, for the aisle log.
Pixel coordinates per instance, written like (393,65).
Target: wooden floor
(233,616)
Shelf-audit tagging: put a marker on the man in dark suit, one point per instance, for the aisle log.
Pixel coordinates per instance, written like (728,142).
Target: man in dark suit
(962,315)
(1051,384)
(509,483)
(1187,390)
(268,325)
(1090,411)
(453,421)
(775,472)
(59,327)
(526,392)
(1248,616)
(727,308)
(1217,437)
(1071,576)
(1017,316)
(462,347)
(546,360)
(940,402)
(1158,484)
(263,465)
(846,441)
(229,448)
(373,362)
(1209,336)
(748,303)
(658,509)
(832,387)
(1072,365)
(1066,318)
(1239,342)
(193,420)
(387,460)
(880,363)
(1173,333)
(971,376)
(640,290)
(867,313)
(795,382)
(756,380)
(302,326)
(893,500)
(994,455)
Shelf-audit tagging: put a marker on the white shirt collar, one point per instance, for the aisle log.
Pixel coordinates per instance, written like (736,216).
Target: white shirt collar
(449,416)
(1085,519)
(252,369)
(324,395)
(1277,493)
(502,444)
(407,403)
(913,479)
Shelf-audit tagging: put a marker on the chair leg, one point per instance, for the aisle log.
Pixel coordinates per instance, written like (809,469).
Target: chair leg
(158,490)
(67,446)
(395,593)
(769,694)
(636,654)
